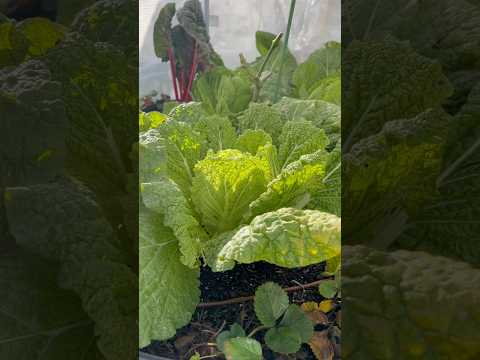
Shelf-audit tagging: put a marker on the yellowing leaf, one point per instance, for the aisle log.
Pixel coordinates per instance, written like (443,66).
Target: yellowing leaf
(326,306)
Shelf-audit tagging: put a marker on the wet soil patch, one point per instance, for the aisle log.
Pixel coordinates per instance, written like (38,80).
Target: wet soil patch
(243,280)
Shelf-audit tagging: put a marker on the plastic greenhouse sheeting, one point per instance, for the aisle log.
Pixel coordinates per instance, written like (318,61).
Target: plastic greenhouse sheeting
(232,27)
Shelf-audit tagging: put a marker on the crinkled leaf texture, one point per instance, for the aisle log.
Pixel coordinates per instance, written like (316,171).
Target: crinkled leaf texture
(165,198)
(169,290)
(224,185)
(62,222)
(417,304)
(295,185)
(287,237)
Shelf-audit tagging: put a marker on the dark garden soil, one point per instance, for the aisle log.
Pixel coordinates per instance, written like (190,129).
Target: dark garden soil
(242,281)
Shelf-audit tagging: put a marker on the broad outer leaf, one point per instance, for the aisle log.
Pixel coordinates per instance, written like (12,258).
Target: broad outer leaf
(396,168)
(169,290)
(287,237)
(242,348)
(271,301)
(62,222)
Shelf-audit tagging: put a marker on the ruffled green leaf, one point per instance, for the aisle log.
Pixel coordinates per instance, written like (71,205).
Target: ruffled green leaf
(295,185)
(261,116)
(287,237)
(169,290)
(299,138)
(218,132)
(166,198)
(184,147)
(224,185)
(252,140)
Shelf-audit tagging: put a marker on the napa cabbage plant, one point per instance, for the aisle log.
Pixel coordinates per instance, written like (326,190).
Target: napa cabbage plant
(219,189)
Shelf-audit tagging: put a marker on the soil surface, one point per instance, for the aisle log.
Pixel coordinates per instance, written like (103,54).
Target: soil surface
(243,280)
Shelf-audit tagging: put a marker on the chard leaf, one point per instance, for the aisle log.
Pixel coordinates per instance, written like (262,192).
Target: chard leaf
(286,237)
(169,290)
(224,185)
(162,31)
(191,19)
(328,90)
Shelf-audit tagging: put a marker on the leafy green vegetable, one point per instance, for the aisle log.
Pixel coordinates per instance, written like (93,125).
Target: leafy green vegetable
(323,64)
(162,31)
(238,181)
(165,278)
(223,187)
(287,237)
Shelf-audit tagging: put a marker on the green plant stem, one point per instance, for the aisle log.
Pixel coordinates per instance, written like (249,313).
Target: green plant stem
(273,46)
(285,48)
(257,329)
(257,79)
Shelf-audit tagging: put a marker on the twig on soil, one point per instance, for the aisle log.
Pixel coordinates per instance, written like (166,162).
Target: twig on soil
(250,298)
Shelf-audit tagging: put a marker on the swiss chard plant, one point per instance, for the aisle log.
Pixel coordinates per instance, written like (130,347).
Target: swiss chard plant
(235,178)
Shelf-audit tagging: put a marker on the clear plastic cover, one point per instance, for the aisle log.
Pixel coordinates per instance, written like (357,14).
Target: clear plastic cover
(232,27)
